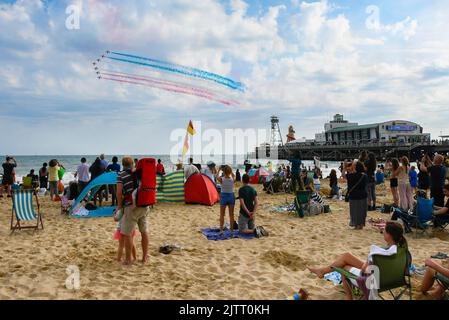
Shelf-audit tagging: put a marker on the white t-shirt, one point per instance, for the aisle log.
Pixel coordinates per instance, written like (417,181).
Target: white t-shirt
(82,172)
(190,169)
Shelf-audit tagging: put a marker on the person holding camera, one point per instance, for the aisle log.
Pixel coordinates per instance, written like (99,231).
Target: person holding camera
(8,175)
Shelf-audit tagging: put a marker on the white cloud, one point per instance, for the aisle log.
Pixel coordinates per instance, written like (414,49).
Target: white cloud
(327,67)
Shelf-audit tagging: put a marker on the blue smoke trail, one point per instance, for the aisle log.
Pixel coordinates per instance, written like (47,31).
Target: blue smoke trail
(170,69)
(192,71)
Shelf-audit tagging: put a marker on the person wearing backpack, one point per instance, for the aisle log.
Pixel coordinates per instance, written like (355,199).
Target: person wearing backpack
(127,184)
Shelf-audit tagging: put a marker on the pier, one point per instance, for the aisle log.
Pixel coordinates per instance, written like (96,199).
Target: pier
(340,152)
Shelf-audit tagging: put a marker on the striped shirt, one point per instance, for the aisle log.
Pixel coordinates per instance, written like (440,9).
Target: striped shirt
(127,179)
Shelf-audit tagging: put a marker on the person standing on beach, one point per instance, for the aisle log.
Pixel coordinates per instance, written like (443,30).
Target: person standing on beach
(371,165)
(423,176)
(406,201)
(296,172)
(8,175)
(190,169)
(53,177)
(43,176)
(113,167)
(227,198)
(248,207)
(126,185)
(394,181)
(437,179)
(104,164)
(357,192)
(103,161)
(160,170)
(82,173)
(413,177)
(96,170)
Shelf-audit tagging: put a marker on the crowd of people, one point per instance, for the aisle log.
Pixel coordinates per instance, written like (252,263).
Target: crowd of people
(406,183)
(362,176)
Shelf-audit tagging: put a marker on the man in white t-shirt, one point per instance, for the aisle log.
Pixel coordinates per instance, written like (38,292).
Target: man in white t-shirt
(190,169)
(82,173)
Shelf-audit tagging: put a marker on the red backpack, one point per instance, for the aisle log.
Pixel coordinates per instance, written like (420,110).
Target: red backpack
(146,175)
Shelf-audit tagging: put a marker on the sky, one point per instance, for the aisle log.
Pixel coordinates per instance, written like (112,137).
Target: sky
(303,61)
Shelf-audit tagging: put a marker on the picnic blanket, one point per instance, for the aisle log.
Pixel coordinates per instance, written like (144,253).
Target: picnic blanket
(214,234)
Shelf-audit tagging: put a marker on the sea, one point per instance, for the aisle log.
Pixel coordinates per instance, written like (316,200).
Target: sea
(27,162)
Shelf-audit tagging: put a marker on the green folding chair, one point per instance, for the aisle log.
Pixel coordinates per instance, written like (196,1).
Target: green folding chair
(302,202)
(23,210)
(393,274)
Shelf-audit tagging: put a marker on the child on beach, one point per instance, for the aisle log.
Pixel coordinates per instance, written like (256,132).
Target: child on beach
(121,241)
(316,181)
(227,198)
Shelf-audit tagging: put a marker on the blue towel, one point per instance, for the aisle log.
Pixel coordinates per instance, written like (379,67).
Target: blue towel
(334,277)
(214,234)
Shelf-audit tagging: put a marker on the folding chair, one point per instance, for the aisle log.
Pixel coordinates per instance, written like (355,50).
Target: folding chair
(302,202)
(23,210)
(424,216)
(394,273)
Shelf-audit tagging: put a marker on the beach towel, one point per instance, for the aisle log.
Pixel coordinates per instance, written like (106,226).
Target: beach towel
(334,277)
(376,250)
(214,234)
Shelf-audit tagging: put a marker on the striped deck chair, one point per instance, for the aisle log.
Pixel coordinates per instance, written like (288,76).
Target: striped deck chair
(23,210)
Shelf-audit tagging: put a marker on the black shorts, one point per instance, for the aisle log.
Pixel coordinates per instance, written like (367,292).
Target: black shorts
(393,182)
(7,180)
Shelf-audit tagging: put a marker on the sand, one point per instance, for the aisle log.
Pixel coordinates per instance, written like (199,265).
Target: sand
(33,265)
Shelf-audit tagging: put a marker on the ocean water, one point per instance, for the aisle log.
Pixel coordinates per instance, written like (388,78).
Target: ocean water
(71,162)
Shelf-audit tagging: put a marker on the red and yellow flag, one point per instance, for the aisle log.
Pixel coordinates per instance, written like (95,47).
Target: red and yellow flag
(190,128)
(191,131)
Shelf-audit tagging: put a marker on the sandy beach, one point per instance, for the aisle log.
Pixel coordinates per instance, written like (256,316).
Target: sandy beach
(33,266)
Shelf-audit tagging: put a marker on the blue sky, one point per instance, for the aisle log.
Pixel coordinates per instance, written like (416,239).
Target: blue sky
(301,60)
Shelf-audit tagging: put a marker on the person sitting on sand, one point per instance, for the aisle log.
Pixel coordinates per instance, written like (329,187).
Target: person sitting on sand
(248,207)
(333,183)
(34,178)
(315,196)
(316,181)
(393,236)
(227,198)
(434,268)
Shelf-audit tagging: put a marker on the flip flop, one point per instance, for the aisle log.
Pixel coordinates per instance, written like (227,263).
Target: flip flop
(166,249)
(440,255)
(263,232)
